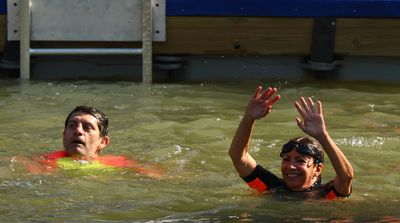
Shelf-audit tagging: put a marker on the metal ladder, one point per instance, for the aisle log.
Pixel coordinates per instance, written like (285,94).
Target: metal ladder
(146,51)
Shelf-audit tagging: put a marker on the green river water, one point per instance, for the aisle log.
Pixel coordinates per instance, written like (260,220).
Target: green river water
(187,130)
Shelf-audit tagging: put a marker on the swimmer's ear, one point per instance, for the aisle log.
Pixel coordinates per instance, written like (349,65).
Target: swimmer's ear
(319,167)
(104,142)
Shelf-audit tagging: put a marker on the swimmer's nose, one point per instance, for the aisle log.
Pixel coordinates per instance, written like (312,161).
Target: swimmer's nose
(293,165)
(78,130)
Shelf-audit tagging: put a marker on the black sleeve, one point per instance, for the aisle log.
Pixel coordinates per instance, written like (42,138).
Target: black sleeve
(268,178)
(329,187)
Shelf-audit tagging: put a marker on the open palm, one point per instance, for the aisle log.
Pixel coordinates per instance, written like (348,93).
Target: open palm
(261,102)
(312,119)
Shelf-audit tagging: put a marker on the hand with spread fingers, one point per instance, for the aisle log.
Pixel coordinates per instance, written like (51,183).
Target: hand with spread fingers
(261,102)
(259,106)
(312,119)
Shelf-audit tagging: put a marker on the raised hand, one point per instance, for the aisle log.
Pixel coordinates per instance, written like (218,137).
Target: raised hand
(261,102)
(313,123)
(312,119)
(259,106)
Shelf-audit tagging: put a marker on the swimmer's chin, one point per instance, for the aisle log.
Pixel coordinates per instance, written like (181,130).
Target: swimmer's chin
(76,153)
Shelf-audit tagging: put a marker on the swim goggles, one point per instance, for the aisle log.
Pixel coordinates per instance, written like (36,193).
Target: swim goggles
(305,149)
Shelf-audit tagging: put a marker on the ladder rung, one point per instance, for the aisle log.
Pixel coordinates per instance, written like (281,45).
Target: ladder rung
(85,51)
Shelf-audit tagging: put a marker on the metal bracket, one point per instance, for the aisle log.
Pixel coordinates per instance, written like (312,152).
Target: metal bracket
(322,55)
(169,61)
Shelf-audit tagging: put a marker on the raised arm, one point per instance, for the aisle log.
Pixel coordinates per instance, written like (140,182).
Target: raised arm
(312,122)
(258,107)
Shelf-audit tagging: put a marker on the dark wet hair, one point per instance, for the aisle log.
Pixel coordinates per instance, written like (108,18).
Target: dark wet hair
(102,119)
(305,146)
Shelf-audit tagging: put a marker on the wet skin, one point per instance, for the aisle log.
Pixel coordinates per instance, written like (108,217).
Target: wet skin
(81,137)
(299,171)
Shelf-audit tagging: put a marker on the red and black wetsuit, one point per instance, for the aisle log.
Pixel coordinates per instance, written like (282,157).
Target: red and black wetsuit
(266,182)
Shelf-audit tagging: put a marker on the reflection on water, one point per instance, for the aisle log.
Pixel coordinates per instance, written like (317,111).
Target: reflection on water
(187,129)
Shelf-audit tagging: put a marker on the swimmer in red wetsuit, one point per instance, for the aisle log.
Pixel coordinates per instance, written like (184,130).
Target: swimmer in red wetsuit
(85,136)
(302,157)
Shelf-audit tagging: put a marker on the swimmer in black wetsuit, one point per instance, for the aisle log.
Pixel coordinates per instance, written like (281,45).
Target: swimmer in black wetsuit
(302,157)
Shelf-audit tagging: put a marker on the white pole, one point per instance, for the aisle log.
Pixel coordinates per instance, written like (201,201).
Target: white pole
(25,23)
(147,40)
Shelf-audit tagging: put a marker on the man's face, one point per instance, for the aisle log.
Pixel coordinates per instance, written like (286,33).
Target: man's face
(82,136)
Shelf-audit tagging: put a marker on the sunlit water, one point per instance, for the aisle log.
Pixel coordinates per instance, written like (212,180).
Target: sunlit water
(187,129)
